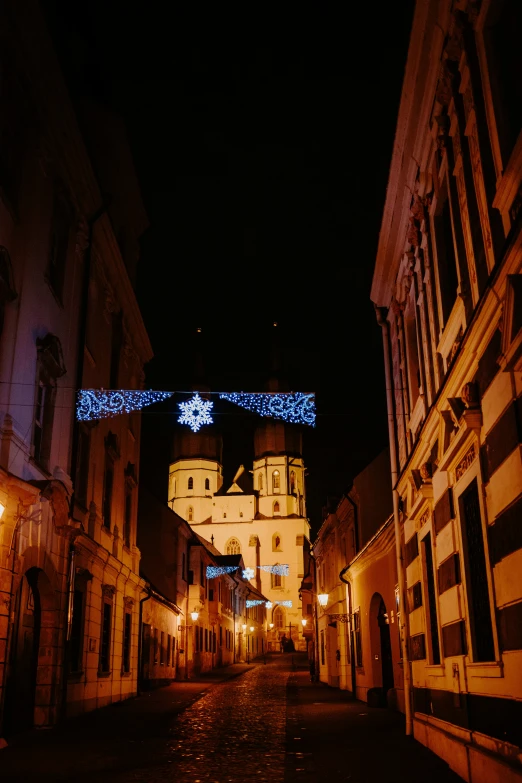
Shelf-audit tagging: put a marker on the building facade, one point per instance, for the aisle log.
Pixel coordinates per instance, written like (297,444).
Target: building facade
(447,291)
(69,565)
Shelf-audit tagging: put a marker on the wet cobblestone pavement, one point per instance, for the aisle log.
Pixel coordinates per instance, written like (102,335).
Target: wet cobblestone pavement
(259,722)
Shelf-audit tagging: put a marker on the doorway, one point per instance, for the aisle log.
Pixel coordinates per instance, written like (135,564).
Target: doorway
(382,662)
(23,657)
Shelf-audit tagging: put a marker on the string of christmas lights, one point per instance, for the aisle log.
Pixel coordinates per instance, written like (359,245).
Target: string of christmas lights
(100,404)
(249,604)
(284,603)
(213,571)
(294,407)
(281,570)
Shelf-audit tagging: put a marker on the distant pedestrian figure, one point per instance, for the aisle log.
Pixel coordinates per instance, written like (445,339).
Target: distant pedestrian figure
(283,643)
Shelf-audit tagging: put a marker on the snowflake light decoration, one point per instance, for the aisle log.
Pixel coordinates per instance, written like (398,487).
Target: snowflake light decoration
(101,403)
(248,573)
(269,604)
(195,412)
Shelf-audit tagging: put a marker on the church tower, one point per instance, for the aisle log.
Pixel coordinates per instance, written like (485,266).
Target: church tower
(196,471)
(261,515)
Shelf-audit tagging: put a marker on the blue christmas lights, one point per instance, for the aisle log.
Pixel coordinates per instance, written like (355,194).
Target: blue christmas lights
(195,412)
(213,571)
(249,604)
(248,573)
(281,570)
(284,603)
(295,407)
(100,404)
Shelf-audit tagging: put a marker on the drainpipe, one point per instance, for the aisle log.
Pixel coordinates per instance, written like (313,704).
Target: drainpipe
(350,628)
(71,573)
(140,640)
(381,314)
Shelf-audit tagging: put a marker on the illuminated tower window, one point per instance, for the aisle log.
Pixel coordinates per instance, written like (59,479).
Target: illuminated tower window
(233,547)
(276,507)
(207,483)
(279,617)
(276,481)
(190,514)
(190,484)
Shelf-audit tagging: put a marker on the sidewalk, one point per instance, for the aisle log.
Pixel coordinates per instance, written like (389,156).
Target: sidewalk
(331,736)
(136,727)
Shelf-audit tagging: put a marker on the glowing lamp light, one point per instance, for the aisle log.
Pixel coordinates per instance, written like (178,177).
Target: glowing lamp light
(323,599)
(271,625)
(303,622)
(2,509)
(194,615)
(251,629)
(244,626)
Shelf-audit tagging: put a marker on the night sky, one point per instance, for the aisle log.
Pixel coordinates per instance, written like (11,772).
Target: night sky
(262,144)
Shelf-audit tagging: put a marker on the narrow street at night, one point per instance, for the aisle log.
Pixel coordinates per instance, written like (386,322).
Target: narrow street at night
(262,722)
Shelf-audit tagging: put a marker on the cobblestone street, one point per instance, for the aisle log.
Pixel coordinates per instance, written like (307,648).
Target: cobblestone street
(262,722)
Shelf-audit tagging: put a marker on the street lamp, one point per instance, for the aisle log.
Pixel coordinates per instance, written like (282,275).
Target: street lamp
(304,621)
(194,615)
(323,599)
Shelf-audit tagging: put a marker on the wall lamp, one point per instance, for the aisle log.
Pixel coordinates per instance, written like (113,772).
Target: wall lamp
(194,615)
(323,599)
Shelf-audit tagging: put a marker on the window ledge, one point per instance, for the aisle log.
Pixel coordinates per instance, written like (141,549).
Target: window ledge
(482,669)
(435,670)
(104,674)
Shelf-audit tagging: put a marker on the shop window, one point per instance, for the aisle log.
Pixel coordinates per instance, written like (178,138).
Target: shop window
(106,629)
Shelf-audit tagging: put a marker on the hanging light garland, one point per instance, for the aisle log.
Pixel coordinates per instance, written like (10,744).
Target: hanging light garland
(280,570)
(100,404)
(213,571)
(294,407)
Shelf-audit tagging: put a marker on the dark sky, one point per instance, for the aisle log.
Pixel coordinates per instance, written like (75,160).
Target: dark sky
(262,145)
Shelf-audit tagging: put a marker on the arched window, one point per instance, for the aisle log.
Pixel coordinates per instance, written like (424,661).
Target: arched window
(207,483)
(233,547)
(190,514)
(292,483)
(276,481)
(277,579)
(276,542)
(260,482)
(278,617)
(276,507)
(190,484)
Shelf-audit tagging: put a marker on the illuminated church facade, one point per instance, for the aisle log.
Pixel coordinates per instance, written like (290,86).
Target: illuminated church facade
(260,515)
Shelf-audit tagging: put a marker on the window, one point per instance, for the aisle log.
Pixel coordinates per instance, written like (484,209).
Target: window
(127,627)
(481,627)
(108,483)
(233,547)
(358,640)
(276,580)
(162,648)
(207,483)
(260,482)
(322,649)
(278,617)
(58,244)
(190,484)
(276,481)
(156,646)
(432,619)
(106,623)
(50,367)
(183,558)
(7,289)
(276,542)
(75,662)
(292,483)
(82,467)
(446,260)
(276,507)
(502,38)
(169,650)
(130,483)
(116,349)
(190,514)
